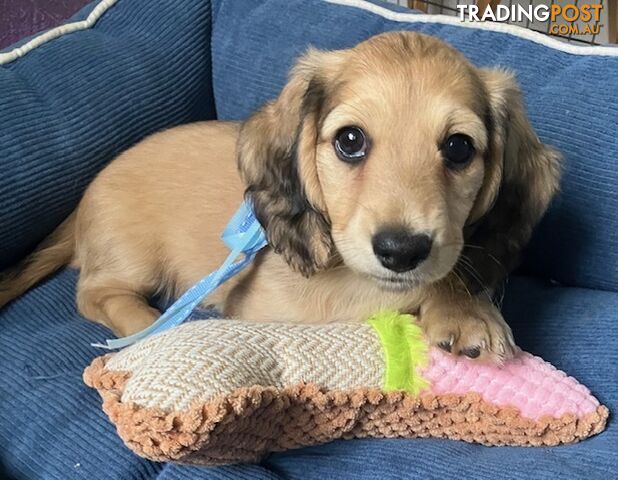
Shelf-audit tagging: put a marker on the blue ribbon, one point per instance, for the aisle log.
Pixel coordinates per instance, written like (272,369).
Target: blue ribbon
(243,235)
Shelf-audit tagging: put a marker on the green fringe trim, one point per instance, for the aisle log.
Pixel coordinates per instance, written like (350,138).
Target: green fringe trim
(405,350)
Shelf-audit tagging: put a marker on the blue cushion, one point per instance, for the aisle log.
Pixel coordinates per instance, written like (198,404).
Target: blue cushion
(69,106)
(572,102)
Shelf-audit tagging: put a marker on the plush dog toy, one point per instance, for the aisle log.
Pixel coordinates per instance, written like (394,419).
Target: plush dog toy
(224,391)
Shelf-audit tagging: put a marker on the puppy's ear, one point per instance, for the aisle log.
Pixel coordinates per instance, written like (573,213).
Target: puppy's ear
(276,158)
(521,177)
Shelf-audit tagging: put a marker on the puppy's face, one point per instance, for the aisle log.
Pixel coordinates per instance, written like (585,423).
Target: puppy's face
(380,155)
(399,160)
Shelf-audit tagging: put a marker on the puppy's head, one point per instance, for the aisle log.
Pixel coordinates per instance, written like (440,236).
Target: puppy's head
(388,155)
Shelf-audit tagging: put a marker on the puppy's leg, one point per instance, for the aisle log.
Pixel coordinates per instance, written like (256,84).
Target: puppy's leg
(120,307)
(466,325)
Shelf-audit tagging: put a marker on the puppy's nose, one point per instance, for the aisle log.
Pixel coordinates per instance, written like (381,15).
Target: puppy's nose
(400,250)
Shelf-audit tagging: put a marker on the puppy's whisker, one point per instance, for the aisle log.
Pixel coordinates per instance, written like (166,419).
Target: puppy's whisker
(489,254)
(481,249)
(456,273)
(465,262)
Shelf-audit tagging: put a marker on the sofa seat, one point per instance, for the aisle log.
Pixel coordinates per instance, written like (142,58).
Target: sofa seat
(122,69)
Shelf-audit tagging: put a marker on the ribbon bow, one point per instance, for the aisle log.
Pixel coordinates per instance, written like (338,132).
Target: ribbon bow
(243,235)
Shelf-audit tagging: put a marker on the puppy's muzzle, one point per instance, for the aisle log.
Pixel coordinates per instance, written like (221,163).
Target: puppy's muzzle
(399,249)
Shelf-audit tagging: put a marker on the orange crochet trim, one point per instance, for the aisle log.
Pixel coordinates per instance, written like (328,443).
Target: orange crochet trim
(254,421)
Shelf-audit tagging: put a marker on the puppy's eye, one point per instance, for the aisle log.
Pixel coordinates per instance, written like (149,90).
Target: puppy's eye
(350,144)
(457,150)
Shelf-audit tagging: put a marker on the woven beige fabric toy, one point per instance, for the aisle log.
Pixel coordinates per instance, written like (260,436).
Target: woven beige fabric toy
(227,391)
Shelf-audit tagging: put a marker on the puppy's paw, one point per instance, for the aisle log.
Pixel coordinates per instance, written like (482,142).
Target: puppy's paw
(475,329)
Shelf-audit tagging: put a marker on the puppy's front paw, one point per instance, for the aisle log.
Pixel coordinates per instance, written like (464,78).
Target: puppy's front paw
(474,328)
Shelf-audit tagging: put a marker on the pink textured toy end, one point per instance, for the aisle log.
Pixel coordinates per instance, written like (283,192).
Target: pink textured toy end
(526,382)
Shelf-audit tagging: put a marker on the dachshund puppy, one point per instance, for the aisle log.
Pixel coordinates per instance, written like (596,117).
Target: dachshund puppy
(390,175)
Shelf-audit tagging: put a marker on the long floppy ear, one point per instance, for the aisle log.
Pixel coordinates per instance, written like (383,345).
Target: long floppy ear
(276,159)
(521,177)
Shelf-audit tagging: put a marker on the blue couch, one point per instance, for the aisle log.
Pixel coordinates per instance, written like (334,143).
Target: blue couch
(68,106)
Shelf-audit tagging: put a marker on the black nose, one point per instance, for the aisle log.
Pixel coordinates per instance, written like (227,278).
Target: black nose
(400,250)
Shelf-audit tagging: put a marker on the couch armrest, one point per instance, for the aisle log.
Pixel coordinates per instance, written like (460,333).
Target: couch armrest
(117,71)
